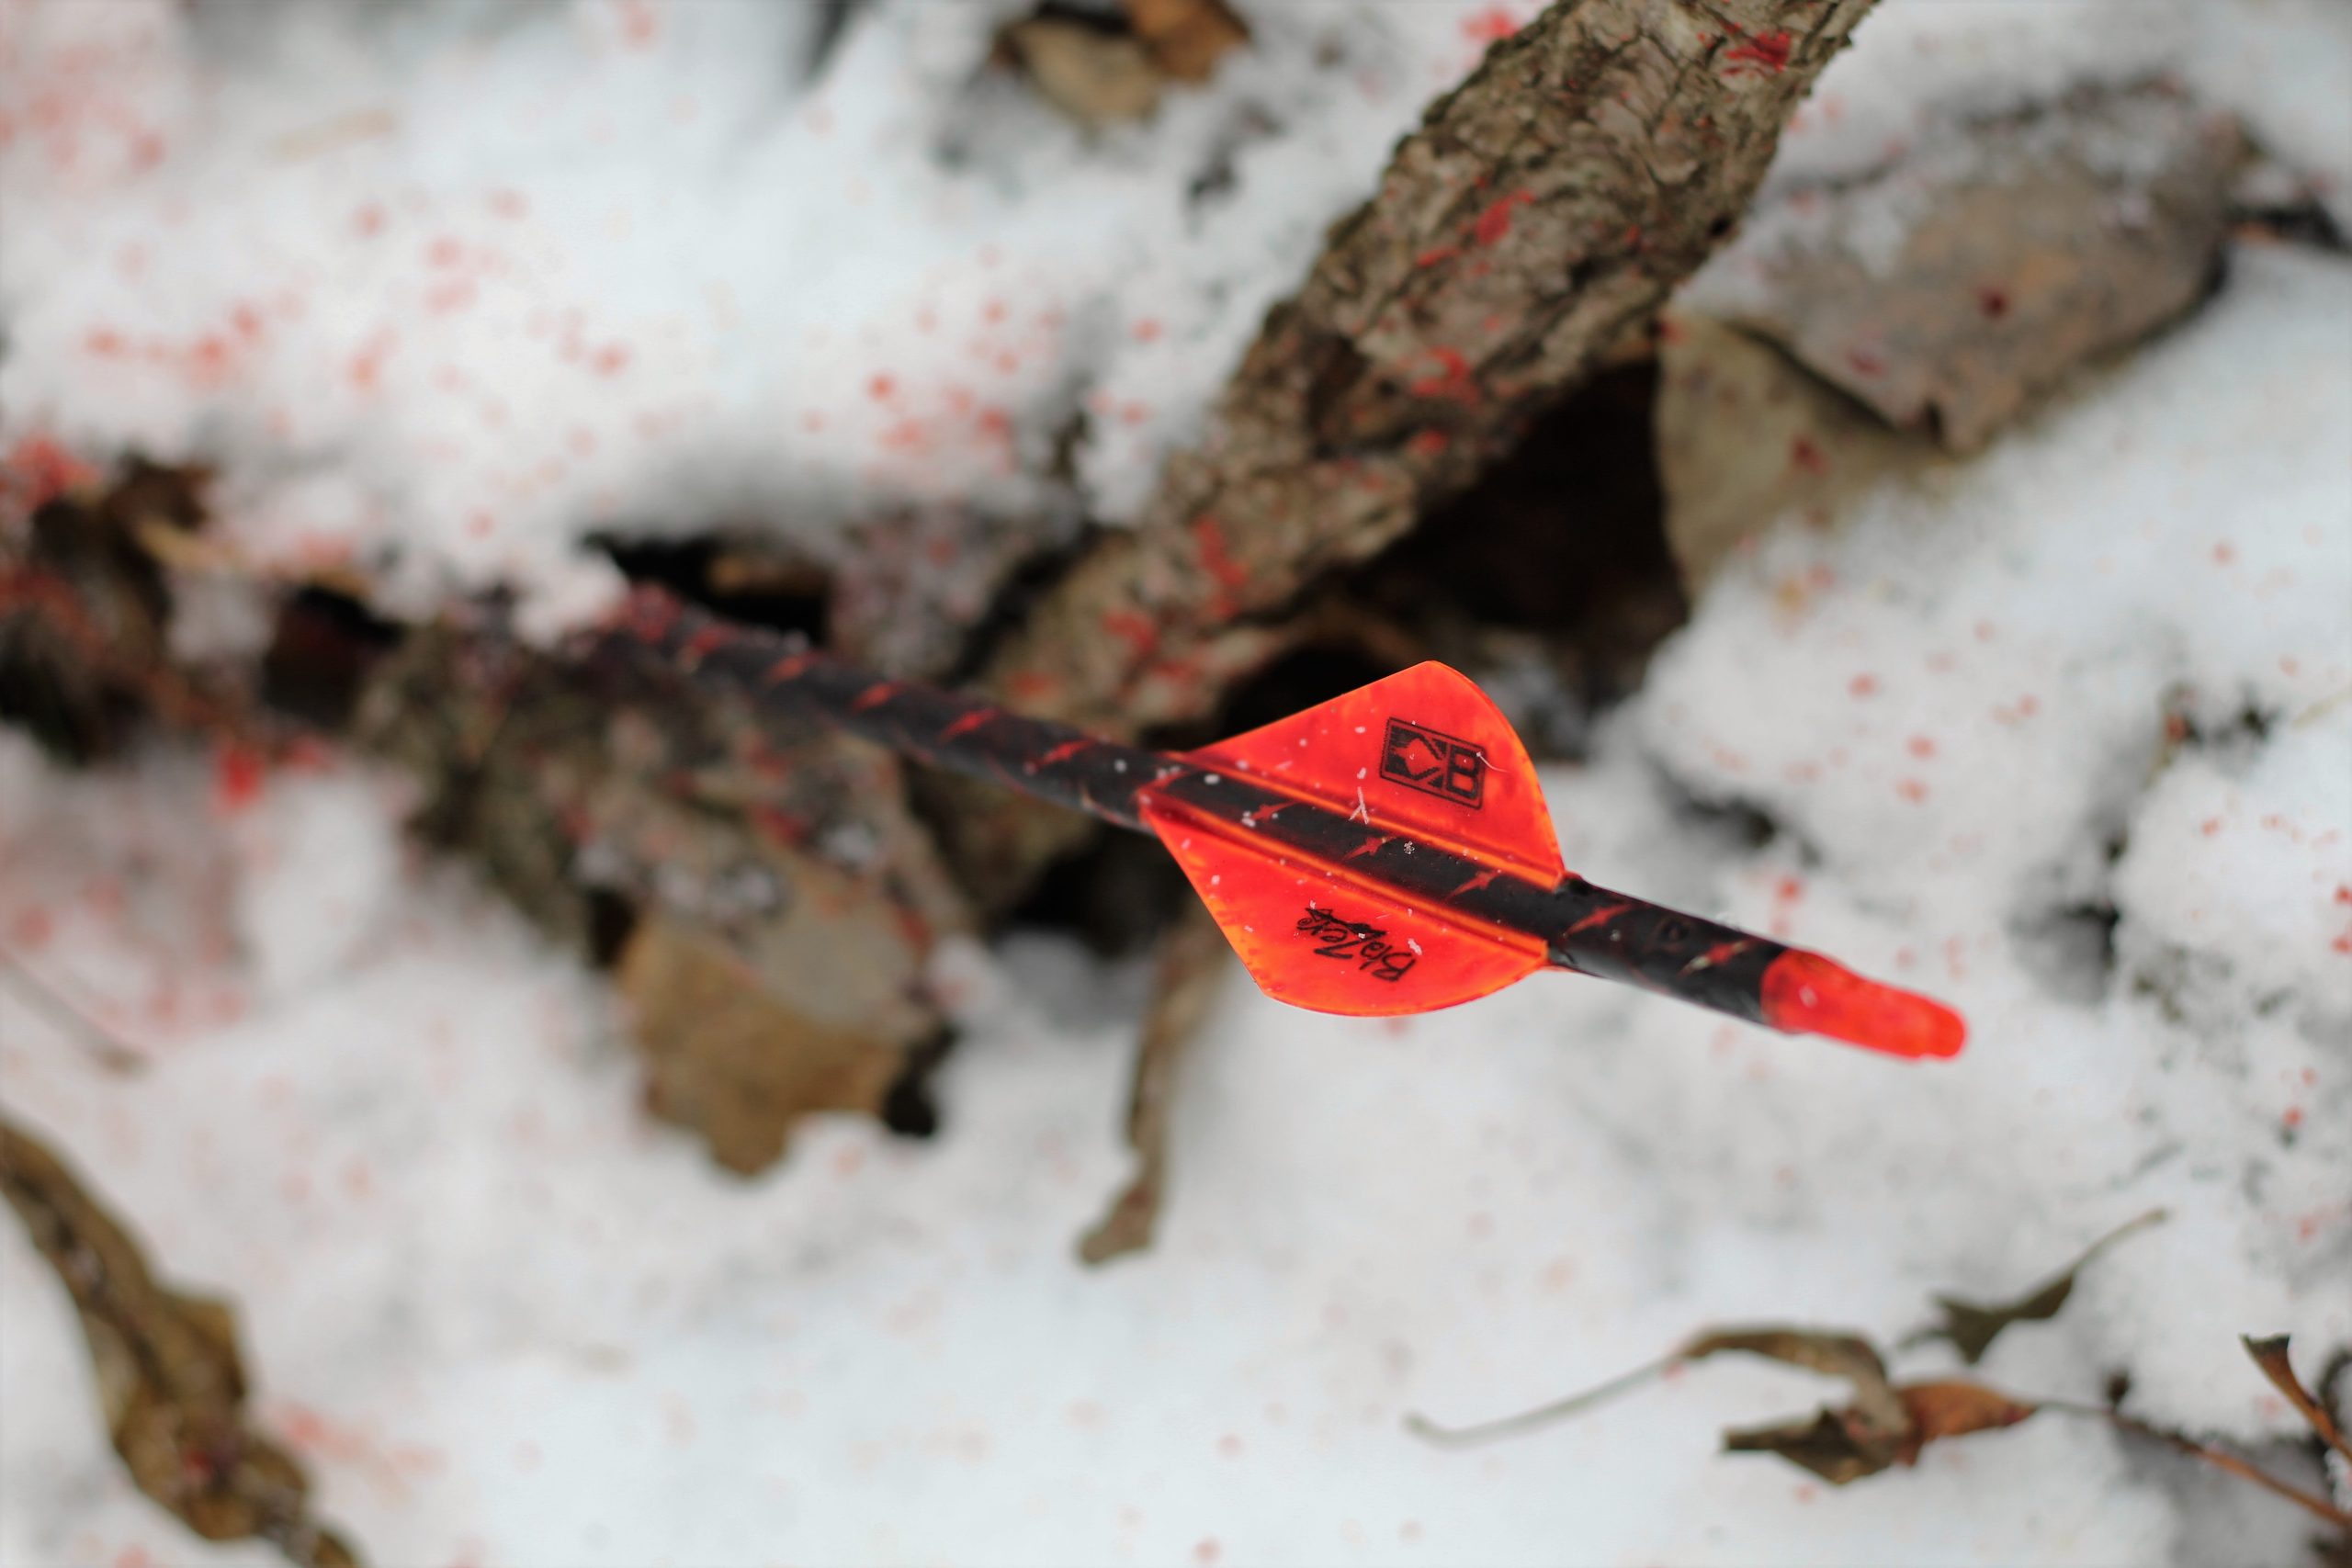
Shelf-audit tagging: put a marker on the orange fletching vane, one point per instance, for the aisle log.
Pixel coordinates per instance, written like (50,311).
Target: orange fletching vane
(1423,754)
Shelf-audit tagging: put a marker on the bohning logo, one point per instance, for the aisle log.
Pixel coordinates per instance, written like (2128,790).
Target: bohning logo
(1435,763)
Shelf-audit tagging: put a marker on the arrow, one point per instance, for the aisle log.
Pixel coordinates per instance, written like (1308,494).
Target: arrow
(1386,852)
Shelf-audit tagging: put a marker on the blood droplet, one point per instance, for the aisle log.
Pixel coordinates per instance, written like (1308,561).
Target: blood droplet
(237,775)
(1492,25)
(1767,50)
(1493,225)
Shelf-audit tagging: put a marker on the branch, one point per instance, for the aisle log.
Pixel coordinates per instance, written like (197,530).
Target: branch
(1520,238)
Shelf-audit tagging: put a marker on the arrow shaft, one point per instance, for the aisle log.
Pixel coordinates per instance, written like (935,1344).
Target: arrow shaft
(1581,927)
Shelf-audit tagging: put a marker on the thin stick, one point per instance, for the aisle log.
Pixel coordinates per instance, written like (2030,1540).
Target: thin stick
(108,1050)
(1542,1414)
(2318,1506)
(2136,1223)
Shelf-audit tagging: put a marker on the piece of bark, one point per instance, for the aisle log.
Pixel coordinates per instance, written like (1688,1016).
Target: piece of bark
(1191,960)
(170,1381)
(1745,437)
(1949,289)
(1529,229)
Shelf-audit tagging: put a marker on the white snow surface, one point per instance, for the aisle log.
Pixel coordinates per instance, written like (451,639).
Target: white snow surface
(444,290)
(468,284)
(507,1319)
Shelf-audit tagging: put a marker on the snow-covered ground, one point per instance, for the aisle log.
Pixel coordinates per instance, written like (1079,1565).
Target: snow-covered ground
(440,289)
(509,1320)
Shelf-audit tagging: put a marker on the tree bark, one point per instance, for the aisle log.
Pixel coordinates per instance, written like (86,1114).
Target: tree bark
(1534,223)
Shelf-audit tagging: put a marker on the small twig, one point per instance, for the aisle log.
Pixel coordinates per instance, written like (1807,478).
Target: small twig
(1542,1414)
(2136,1223)
(2228,1463)
(2321,709)
(108,1049)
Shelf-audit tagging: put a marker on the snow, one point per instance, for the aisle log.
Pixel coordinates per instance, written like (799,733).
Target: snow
(1967,707)
(445,292)
(508,1319)
(2283,65)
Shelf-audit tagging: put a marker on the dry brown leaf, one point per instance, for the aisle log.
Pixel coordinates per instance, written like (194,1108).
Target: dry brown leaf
(1887,1425)
(2270,1354)
(1952,1408)
(1878,1411)
(1186,37)
(1948,289)
(726,1056)
(1094,74)
(1832,1445)
(171,1384)
(1842,1446)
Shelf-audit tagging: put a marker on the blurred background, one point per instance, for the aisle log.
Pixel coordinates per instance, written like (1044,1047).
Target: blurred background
(471,1101)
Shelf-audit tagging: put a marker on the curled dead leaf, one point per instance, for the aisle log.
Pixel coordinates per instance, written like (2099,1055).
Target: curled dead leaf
(1842,1446)
(1972,1326)
(1889,1424)
(2270,1354)
(1834,1445)
(1877,1413)
(171,1384)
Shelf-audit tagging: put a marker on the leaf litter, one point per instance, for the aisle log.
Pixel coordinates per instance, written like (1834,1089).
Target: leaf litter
(1887,1424)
